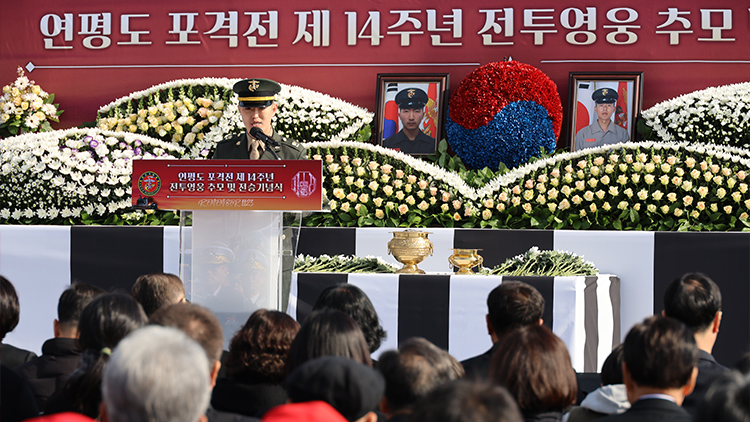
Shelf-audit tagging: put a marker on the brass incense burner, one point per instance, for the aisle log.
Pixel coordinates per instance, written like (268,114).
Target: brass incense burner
(465,260)
(410,247)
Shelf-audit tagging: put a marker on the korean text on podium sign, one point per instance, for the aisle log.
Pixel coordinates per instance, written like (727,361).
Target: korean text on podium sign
(258,185)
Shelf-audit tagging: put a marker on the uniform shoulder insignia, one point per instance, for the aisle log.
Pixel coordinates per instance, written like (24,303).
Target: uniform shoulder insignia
(230,139)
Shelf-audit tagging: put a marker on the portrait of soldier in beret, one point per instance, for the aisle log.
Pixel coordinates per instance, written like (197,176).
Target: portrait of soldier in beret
(411,111)
(603,130)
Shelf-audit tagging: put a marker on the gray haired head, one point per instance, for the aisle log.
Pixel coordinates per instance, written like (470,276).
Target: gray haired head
(156,374)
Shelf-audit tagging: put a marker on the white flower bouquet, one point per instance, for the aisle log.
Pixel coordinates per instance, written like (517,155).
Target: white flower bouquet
(25,107)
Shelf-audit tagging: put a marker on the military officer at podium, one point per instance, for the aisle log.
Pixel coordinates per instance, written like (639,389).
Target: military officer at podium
(257,102)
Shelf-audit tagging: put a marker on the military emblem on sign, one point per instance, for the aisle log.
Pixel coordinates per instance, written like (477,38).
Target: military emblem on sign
(149,183)
(304,184)
(411,93)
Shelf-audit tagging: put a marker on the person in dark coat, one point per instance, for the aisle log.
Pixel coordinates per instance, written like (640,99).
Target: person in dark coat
(534,365)
(411,373)
(201,325)
(695,300)
(511,305)
(16,399)
(104,322)
(467,401)
(60,355)
(354,302)
(256,365)
(10,313)
(659,370)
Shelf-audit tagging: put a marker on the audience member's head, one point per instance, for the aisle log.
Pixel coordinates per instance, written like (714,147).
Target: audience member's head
(352,301)
(353,389)
(467,401)
(612,367)
(10,309)
(155,290)
(513,304)
(200,324)
(659,353)
(727,400)
(695,300)
(104,322)
(259,350)
(70,306)
(328,332)
(413,371)
(156,374)
(534,365)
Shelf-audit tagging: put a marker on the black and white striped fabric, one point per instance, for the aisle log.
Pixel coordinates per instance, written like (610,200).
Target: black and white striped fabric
(41,261)
(449,310)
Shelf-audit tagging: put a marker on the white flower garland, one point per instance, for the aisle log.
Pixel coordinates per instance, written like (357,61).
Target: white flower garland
(712,115)
(68,173)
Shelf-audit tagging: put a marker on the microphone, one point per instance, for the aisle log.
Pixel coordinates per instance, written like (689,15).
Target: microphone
(258,134)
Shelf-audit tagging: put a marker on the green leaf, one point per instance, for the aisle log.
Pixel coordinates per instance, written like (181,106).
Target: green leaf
(633,215)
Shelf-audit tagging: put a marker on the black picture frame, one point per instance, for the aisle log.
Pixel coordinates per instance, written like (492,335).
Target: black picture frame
(580,82)
(436,86)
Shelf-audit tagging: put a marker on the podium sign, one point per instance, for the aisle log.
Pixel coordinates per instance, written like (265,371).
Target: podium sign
(250,185)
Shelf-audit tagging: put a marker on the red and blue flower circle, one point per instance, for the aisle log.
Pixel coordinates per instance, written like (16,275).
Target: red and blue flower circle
(503,112)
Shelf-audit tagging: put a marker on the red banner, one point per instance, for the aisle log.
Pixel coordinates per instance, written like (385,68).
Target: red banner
(259,185)
(90,52)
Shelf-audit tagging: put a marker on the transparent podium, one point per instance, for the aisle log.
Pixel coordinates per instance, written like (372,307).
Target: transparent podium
(239,225)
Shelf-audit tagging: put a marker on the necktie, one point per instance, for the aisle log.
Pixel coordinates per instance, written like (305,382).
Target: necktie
(255,149)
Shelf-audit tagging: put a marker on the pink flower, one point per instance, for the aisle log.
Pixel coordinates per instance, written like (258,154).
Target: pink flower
(403,209)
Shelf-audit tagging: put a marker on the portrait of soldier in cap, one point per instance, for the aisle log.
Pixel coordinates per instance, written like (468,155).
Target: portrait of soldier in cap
(603,130)
(257,105)
(411,110)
